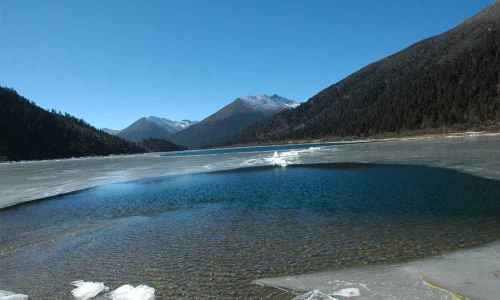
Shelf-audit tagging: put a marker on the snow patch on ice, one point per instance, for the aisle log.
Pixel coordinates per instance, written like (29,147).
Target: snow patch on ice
(87,290)
(5,295)
(319,295)
(473,133)
(314,295)
(277,160)
(348,293)
(128,292)
(285,158)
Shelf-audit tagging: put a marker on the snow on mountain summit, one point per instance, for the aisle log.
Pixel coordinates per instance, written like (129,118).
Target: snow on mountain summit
(173,126)
(225,124)
(266,102)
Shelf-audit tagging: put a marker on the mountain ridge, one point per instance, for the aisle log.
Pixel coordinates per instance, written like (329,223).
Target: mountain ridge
(228,121)
(29,132)
(153,128)
(451,79)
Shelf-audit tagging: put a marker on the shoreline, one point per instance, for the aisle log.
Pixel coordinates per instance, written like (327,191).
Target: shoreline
(82,173)
(466,274)
(326,141)
(412,135)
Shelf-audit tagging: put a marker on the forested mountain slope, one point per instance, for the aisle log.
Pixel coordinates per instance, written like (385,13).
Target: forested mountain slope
(29,132)
(153,128)
(228,122)
(450,80)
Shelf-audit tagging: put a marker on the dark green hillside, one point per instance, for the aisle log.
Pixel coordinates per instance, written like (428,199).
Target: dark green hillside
(28,132)
(448,81)
(227,123)
(160,145)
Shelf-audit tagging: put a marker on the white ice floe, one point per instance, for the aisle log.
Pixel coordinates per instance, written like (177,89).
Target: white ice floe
(128,292)
(5,295)
(473,133)
(277,160)
(348,293)
(283,159)
(314,295)
(87,290)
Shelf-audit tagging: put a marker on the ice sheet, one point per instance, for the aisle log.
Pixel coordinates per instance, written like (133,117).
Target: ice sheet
(469,274)
(472,273)
(348,293)
(314,295)
(319,295)
(5,295)
(27,181)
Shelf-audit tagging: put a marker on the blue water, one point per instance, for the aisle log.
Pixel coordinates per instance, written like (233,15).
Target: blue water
(210,235)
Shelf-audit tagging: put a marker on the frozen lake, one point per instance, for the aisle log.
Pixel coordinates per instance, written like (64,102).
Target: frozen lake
(208,224)
(27,181)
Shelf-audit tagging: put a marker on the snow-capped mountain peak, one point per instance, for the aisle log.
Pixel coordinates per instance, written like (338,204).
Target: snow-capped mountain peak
(153,127)
(267,102)
(173,126)
(225,124)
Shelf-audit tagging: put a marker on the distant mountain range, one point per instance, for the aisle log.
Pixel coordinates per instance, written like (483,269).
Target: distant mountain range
(31,132)
(228,122)
(216,129)
(448,81)
(110,131)
(28,132)
(151,128)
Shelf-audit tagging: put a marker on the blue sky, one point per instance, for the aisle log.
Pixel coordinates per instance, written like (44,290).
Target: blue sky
(111,62)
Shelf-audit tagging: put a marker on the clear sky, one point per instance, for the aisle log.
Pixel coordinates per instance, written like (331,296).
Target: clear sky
(113,61)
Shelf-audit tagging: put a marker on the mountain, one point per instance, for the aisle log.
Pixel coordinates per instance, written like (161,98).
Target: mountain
(110,131)
(159,145)
(172,126)
(230,120)
(28,132)
(153,128)
(448,81)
